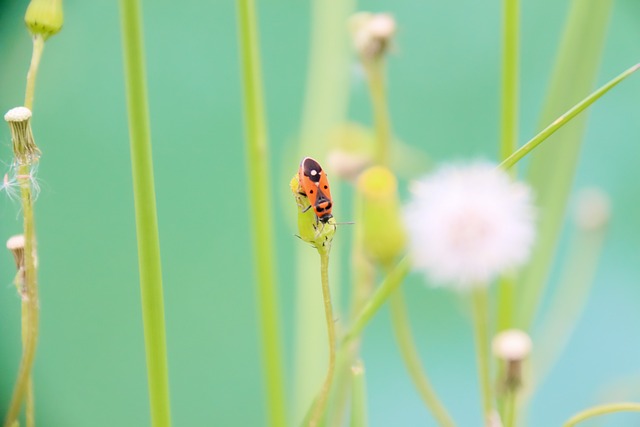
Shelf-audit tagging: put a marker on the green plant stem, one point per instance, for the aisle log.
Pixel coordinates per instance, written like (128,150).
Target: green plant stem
(510,84)
(146,214)
(509,110)
(406,344)
(602,410)
(375,70)
(260,195)
(564,119)
(36,54)
(393,280)
(321,401)
(510,409)
(31,309)
(358,396)
(480,301)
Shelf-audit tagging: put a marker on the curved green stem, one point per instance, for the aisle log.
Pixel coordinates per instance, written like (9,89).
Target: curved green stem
(480,301)
(391,282)
(602,410)
(406,344)
(321,401)
(146,214)
(565,118)
(375,74)
(31,309)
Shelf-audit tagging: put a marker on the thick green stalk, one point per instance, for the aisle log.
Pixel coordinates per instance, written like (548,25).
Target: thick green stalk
(509,413)
(376,76)
(509,110)
(552,167)
(321,401)
(406,344)
(480,301)
(31,309)
(393,280)
(602,410)
(146,215)
(564,119)
(261,220)
(358,396)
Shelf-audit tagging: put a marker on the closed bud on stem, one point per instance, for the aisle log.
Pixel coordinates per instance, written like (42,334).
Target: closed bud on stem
(352,150)
(24,147)
(311,230)
(512,347)
(383,234)
(372,34)
(44,17)
(16,245)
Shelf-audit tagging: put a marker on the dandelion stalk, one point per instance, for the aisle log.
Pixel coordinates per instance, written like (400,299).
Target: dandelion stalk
(358,396)
(596,411)
(26,155)
(406,344)
(480,301)
(509,130)
(30,306)
(146,214)
(564,119)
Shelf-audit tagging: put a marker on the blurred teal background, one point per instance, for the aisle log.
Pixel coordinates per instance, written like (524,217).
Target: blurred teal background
(443,82)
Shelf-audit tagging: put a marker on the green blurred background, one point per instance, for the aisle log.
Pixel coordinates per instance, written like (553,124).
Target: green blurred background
(443,79)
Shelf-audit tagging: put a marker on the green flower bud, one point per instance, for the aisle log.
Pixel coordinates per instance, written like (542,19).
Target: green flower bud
(44,17)
(318,234)
(383,233)
(24,147)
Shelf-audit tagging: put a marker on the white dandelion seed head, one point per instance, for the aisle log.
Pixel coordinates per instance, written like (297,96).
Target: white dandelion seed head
(469,223)
(18,114)
(511,345)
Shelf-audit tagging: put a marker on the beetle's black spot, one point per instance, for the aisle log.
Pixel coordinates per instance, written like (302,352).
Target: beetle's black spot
(310,191)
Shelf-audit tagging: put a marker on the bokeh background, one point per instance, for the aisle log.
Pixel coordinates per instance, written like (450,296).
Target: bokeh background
(443,82)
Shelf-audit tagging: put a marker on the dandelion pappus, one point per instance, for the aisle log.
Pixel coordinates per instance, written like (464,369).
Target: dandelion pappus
(315,185)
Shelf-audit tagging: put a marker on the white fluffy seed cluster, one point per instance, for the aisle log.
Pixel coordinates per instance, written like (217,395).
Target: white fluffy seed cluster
(511,345)
(468,224)
(17,114)
(15,242)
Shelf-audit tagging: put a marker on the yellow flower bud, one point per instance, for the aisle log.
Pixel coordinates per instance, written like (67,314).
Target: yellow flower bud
(383,233)
(44,17)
